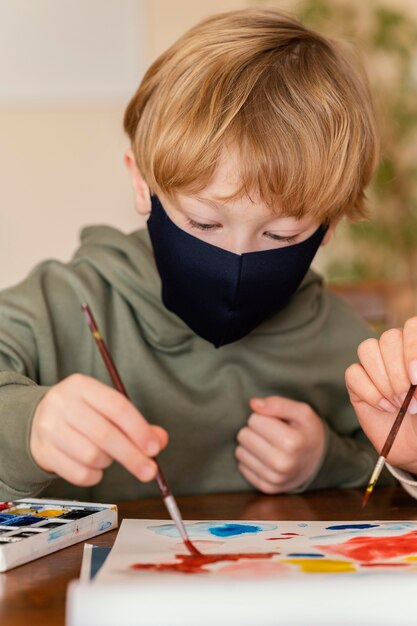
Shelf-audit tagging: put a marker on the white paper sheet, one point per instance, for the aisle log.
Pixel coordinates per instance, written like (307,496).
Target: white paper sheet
(297,548)
(320,574)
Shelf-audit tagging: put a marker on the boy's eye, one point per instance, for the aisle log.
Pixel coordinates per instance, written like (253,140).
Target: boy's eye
(201,226)
(281,238)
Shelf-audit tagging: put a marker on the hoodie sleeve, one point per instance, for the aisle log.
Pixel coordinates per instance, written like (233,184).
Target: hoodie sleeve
(31,315)
(349,457)
(19,475)
(347,461)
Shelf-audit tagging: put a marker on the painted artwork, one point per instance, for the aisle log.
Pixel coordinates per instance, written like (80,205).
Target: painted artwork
(248,549)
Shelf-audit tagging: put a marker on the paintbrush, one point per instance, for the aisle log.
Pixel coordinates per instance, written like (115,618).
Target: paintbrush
(388,445)
(166,494)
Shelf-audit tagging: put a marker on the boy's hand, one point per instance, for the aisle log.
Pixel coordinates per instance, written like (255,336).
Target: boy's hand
(81,425)
(282,444)
(377,387)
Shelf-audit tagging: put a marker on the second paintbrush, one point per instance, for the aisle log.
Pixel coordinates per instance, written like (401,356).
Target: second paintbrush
(388,445)
(167,496)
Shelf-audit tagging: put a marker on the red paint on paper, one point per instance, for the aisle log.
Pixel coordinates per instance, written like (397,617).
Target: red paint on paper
(196,564)
(391,564)
(368,549)
(283,537)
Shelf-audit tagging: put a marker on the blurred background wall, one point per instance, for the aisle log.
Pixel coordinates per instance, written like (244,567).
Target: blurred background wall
(67,70)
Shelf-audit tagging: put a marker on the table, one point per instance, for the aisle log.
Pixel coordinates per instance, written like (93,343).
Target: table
(34,594)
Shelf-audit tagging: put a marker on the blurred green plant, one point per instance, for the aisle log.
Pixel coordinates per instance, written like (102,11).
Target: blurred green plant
(386,37)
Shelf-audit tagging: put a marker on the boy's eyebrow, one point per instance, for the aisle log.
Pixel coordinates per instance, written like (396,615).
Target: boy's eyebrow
(213,203)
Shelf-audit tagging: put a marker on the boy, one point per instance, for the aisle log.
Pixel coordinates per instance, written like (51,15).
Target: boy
(378,385)
(254,136)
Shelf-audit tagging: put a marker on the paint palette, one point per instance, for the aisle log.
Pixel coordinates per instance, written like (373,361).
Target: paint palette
(35,527)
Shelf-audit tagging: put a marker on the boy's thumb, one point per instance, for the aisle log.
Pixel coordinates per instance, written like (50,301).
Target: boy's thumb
(276,406)
(271,405)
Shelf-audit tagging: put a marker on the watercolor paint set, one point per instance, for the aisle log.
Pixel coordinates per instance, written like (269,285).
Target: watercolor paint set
(31,528)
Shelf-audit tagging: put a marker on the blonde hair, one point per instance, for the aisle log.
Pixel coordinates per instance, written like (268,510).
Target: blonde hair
(290,102)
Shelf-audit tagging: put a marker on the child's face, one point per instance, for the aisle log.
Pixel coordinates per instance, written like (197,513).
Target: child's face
(239,226)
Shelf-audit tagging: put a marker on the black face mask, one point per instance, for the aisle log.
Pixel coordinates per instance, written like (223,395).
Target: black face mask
(220,295)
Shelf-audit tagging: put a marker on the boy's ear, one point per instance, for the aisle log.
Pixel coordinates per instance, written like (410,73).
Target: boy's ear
(330,231)
(140,188)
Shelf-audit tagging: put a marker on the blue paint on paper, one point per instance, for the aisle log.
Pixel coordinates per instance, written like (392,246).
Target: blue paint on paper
(231,530)
(351,526)
(302,525)
(203,530)
(401,526)
(373,530)
(306,555)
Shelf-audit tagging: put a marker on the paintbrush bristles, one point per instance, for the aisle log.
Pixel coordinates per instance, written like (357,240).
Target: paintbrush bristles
(366,496)
(372,481)
(388,444)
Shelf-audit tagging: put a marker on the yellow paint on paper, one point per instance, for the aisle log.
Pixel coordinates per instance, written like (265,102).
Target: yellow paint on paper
(322,566)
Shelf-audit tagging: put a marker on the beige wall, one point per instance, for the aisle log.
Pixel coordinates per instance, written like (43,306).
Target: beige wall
(61,141)
(61,167)
(61,163)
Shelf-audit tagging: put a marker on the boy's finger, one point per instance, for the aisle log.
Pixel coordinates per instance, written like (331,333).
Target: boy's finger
(78,448)
(279,458)
(74,472)
(251,462)
(392,351)
(362,389)
(410,348)
(278,406)
(104,434)
(258,481)
(370,356)
(276,432)
(254,443)
(162,435)
(119,410)
(121,449)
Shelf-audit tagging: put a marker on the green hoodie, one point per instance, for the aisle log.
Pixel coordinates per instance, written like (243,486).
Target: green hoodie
(178,380)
